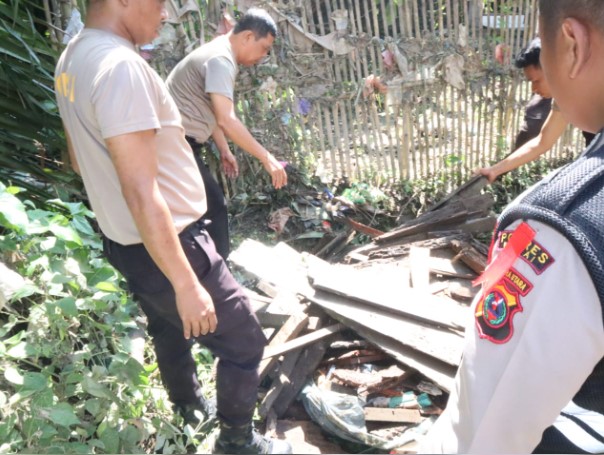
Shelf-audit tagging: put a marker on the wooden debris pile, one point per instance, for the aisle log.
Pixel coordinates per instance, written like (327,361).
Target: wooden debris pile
(386,327)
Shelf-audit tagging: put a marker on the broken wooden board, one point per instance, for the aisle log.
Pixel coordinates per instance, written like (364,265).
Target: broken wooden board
(283,304)
(392,415)
(438,371)
(470,188)
(373,250)
(452,214)
(435,220)
(469,255)
(444,262)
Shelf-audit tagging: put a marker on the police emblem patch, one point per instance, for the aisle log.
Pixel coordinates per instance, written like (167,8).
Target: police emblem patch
(495,311)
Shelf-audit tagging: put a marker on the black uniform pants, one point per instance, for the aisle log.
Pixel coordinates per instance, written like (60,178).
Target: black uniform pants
(217,206)
(238,341)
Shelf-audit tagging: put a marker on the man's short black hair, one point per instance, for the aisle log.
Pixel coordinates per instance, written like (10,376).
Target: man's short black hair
(529,56)
(553,12)
(257,21)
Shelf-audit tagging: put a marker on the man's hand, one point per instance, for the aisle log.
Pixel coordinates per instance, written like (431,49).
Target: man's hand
(275,169)
(196,310)
(229,164)
(488,172)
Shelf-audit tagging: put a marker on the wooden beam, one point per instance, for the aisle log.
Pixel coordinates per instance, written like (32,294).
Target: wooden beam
(294,325)
(287,367)
(388,292)
(307,363)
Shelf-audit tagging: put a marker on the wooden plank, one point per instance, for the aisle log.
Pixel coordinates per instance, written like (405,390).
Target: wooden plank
(437,343)
(383,291)
(281,265)
(302,341)
(420,270)
(294,325)
(392,415)
(268,288)
(287,367)
(441,373)
(448,267)
(472,187)
(307,363)
(469,255)
(284,304)
(272,320)
(439,220)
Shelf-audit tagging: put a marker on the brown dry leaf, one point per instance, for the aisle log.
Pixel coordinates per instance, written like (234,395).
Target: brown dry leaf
(278,218)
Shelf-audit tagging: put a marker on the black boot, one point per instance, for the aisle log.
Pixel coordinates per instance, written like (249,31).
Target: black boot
(206,411)
(246,440)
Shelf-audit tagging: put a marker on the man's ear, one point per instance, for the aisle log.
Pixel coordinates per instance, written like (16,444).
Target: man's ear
(248,36)
(576,42)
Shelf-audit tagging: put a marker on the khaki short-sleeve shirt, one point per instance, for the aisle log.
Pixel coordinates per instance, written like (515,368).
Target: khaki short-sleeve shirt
(105,89)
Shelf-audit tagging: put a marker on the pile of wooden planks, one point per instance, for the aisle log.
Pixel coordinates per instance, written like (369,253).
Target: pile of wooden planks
(464,212)
(406,296)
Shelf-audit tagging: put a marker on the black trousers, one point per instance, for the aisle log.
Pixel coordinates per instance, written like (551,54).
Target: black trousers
(238,341)
(217,205)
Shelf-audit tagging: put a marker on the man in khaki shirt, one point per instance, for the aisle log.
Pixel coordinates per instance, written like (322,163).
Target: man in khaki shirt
(203,86)
(126,139)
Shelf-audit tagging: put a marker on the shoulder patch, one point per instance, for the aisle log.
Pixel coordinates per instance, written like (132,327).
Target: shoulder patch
(518,282)
(534,254)
(503,238)
(495,311)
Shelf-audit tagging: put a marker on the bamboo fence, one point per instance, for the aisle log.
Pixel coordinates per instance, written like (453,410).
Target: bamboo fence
(449,106)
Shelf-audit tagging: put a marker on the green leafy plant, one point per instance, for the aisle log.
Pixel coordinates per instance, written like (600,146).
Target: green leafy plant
(75,373)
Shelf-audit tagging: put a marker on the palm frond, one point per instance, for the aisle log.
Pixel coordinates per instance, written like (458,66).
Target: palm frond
(31,137)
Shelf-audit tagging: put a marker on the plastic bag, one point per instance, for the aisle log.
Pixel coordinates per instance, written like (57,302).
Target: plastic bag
(343,416)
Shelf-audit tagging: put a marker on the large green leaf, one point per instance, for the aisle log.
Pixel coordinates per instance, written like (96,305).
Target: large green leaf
(63,414)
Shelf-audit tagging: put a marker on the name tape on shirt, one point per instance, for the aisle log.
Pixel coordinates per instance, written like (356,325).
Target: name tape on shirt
(514,278)
(534,254)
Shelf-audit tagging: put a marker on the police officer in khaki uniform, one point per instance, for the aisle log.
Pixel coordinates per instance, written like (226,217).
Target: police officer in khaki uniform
(126,139)
(203,88)
(532,374)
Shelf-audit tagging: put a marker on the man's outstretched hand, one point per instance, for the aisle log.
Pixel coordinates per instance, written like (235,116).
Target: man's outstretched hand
(276,171)
(229,164)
